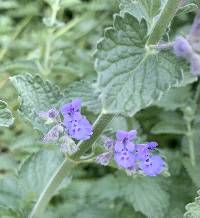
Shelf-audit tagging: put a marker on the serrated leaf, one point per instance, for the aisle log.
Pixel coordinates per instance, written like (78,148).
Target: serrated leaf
(130,76)
(6,118)
(187,8)
(193,209)
(146,9)
(85,91)
(35,96)
(146,195)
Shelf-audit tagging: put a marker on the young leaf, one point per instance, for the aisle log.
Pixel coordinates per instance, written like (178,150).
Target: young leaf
(35,96)
(193,209)
(130,76)
(6,118)
(146,9)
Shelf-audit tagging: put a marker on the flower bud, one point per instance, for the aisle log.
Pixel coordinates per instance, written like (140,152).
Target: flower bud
(182,48)
(195,64)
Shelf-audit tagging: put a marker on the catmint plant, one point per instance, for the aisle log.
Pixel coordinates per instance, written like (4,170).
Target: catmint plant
(140,91)
(188,47)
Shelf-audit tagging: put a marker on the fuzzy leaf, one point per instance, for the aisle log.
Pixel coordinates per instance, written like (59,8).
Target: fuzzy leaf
(146,195)
(175,98)
(193,171)
(130,76)
(35,96)
(85,91)
(9,196)
(6,118)
(146,9)
(170,123)
(193,209)
(37,170)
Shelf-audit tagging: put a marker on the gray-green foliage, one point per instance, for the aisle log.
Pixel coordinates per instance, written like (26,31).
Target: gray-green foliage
(193,209)
(17,193)
(36,96)
(118,190)
(130,77)
(6,118)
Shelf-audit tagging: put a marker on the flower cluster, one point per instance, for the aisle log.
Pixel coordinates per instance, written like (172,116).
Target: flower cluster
(74,125)
(130,156)
(189,47)
(183,49)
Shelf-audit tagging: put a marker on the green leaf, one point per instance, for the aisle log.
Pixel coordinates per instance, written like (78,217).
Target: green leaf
(86,91)
(9,196)
(193,209)
(6,118)
(19,193)
(37,170)
(175,98)
(170,123)
(193,171)
(7,162)
(146,195)
(146,9)
(187,8)
(130,76)
(35,96)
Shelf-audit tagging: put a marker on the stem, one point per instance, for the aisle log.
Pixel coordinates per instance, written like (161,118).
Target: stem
(164,46)
(21,27)
(191,144)
(102,121)
(166,16)
(67,166)
(55,9)
(64,169)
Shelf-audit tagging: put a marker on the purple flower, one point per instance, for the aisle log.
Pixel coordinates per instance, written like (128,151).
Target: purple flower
(182,48)
(123,149)
(124,136)
(71,108)
(68,146)
(104,158)
(50,115)
(125,159)
(80,128)
(53,134)
(152,166)
(76,125)
(152,145)
(142,152)
(195,64)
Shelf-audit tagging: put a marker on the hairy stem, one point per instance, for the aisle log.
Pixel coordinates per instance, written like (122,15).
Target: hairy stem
(166,16)
(64,169)
(191,144)
(68,165)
